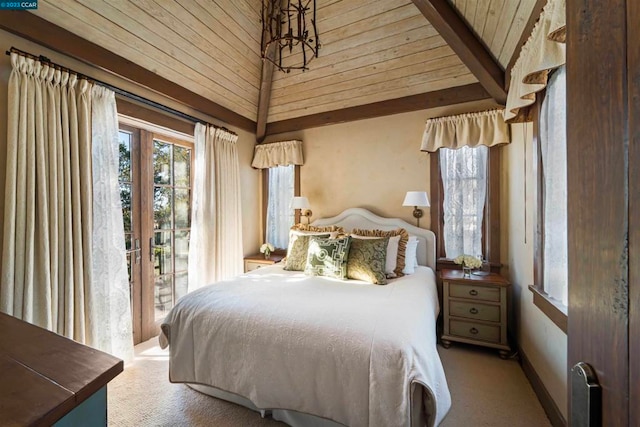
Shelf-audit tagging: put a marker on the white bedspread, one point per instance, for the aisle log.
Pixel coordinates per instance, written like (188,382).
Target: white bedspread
(347,351)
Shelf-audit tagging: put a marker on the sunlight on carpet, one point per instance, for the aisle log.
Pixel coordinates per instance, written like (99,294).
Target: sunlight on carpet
(485,390)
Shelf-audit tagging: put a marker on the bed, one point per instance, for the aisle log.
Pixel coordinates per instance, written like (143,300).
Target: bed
(315,351)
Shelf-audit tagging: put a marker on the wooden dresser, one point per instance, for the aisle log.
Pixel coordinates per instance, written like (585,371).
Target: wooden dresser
(475,310)
(50,380)
(253,262)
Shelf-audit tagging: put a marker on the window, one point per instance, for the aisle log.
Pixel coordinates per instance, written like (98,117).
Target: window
(472,177)
(551,247)
(280,185)
(464,181)
(280,217)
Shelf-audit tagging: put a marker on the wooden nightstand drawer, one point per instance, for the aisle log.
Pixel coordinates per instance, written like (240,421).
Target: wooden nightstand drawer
(470,310)
(254,262)
(254,265)
(476,331)
(482,293)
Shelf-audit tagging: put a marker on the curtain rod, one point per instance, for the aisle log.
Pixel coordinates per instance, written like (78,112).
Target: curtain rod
(117,90)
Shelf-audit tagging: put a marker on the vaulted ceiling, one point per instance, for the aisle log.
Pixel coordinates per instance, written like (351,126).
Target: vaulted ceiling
(372,50)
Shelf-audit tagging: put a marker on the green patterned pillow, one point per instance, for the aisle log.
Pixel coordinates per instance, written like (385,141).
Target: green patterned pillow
(328,257)
(297,251)
(367,260)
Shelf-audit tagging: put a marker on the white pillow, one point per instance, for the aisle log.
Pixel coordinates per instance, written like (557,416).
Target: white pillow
(411,256)
(392,253)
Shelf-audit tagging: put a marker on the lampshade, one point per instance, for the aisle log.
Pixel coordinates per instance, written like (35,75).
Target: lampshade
(300,203)
(416,198)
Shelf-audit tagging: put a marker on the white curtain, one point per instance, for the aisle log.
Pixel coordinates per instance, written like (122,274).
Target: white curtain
(47,242)
(553,142)
(280,217)
(464,180)
(215,248)
(110,309)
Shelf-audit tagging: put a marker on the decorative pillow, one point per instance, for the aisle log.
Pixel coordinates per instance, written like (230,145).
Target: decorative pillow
(367,260)
(328,257)
(391,257)
(402,244)
(297,251)
(411,256)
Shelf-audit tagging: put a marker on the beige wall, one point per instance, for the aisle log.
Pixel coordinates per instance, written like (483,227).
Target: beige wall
(368,163)
(250,178)
(544,344)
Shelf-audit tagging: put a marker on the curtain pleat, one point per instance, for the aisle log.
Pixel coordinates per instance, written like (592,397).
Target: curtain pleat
(215,247)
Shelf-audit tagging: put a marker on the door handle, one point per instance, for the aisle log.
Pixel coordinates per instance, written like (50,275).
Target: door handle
(586,397)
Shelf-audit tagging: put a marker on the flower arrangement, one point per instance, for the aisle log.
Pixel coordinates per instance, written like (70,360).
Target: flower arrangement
(266,249)
(468,262)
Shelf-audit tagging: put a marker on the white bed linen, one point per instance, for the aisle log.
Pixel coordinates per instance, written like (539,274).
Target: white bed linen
(347,351)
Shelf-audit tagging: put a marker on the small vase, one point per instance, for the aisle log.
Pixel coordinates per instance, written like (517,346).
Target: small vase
(466,271)
(267,254)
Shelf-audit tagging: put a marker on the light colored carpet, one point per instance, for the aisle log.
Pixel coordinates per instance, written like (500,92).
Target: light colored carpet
(486,391)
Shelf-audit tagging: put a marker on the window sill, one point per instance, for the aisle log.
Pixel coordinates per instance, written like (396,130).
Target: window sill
(554,311)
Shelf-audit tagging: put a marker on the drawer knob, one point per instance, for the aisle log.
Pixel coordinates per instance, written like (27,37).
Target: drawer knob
(473,292)
(474,331)
(473,310)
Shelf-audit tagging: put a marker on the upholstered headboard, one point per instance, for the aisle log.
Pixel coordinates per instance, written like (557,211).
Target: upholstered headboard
(364,219)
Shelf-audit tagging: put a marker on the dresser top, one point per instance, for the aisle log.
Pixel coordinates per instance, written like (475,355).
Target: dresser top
(458,276)
(45,375)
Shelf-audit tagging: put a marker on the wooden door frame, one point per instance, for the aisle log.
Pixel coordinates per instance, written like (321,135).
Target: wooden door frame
(602,236)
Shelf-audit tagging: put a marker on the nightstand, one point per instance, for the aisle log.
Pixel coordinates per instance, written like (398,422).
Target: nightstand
(475,310)
(253,262)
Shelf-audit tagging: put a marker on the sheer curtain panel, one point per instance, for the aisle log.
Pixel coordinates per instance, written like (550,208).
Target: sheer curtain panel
(464,181)
(109,303)
(280,216)
(553,144)
(47,241)
(215,248)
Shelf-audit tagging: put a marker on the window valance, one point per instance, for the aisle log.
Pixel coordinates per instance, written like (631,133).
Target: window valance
(543,52)
(281,153)
(472,129)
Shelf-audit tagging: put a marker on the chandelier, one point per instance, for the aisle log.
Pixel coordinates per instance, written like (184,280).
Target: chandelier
(285,27)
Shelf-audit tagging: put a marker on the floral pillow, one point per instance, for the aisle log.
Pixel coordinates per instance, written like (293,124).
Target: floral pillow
(367,260)
(297,251)
(402,244)
(328,257)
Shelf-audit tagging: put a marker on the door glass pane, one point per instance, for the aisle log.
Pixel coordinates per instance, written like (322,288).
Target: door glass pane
(125,156)
(181,166)
(125,198)
(162,207)
(182,250)
(162,172)
(162,254)
(163,293)
(182,208)
(181,285)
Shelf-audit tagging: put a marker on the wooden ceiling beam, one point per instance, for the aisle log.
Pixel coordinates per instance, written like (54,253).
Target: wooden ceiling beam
(31,27)
(466,45)
(264,98)
(439,98)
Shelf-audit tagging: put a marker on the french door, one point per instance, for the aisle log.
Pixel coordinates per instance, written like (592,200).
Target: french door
(155,189)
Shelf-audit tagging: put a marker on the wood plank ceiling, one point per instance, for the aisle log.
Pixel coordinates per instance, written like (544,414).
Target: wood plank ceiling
(372,50)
